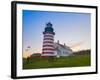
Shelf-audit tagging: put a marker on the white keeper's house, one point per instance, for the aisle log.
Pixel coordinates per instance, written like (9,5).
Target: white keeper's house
(62,50)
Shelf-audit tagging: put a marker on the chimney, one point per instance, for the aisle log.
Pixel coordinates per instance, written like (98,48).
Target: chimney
(58,41)
(64,44)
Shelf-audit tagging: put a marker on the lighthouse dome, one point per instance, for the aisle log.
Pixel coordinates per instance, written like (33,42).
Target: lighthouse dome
(48,27)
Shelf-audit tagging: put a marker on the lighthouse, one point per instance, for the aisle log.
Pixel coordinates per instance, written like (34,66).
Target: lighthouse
(48,41)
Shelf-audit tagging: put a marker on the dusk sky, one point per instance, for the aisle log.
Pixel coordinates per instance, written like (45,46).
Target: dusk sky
(73,29)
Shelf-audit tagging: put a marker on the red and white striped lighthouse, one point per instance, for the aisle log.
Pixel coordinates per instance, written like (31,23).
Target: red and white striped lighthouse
(48,41)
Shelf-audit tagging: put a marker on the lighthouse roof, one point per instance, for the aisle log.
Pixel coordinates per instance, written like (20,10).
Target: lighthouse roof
(49,24)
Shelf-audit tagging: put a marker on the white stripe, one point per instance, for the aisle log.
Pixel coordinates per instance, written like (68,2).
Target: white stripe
(48,34)
(48,44)
(48,40)
(48,50)
(49,54)
(48,37)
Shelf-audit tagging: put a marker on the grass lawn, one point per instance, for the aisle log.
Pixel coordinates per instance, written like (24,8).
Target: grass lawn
(69,61)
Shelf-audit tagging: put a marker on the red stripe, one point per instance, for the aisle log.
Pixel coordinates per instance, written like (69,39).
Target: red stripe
(47,49)
(48,53)
(48,42)
(48,35)
(48,46)
(48,39)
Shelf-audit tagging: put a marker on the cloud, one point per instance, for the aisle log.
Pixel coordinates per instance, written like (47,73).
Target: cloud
(77,44)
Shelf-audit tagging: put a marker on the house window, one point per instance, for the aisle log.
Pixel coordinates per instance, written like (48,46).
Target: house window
(63,52)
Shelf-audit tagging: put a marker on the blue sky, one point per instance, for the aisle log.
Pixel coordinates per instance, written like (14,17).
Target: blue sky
(73,29)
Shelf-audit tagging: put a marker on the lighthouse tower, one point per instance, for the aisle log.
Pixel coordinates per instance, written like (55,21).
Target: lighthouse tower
(48,41)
